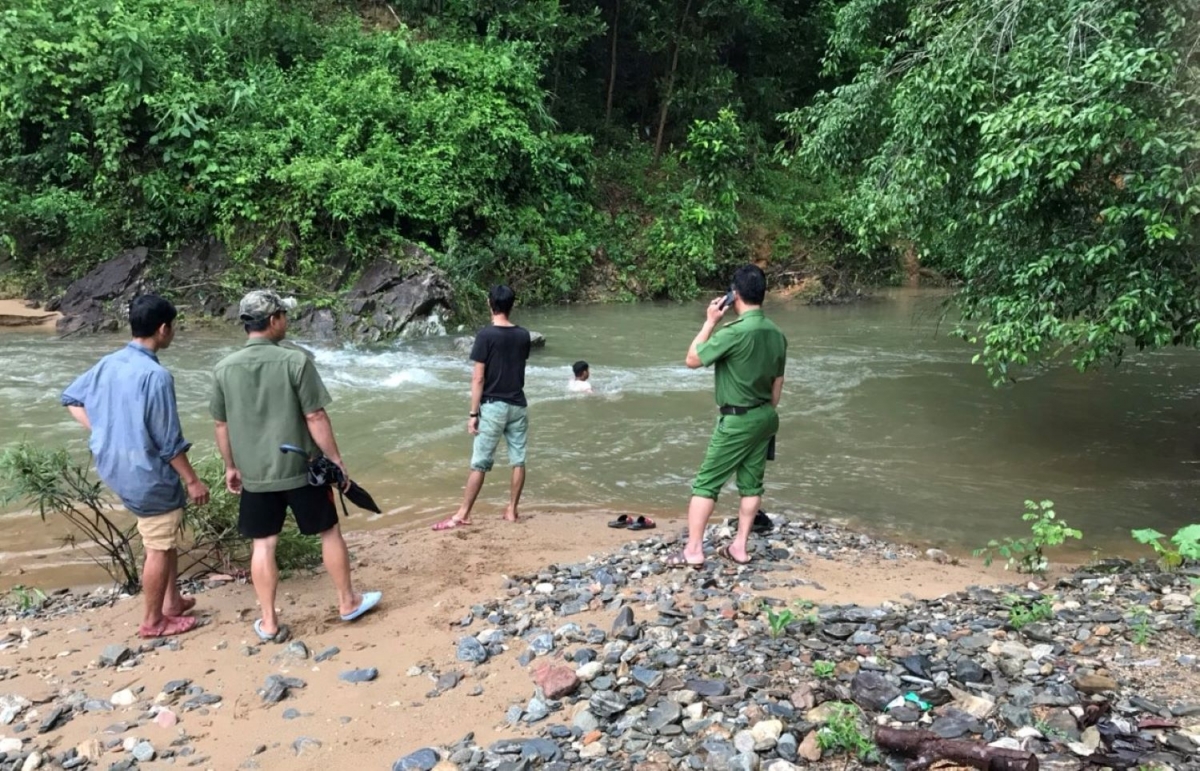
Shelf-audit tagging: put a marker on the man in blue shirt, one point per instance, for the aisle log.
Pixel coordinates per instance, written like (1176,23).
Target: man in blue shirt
(127,402)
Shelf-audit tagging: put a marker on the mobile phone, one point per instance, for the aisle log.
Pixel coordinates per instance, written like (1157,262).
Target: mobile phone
(728,300)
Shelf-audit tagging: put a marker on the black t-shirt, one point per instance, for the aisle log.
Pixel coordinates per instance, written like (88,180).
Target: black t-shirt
(503,352)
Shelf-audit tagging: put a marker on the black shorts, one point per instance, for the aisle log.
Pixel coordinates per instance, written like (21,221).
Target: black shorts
(261,515)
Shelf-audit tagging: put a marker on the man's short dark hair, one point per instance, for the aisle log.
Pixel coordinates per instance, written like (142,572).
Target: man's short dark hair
(148,312)
(501,299)
(579,367)
(751,284)
(257,325)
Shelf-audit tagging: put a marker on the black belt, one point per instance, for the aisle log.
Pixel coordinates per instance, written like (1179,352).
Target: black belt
(729,409)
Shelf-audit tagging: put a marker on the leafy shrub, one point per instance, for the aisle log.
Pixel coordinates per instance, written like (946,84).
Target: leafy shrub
(1027,555)
(216,544)
(52,483)
(843,734)
(1023,612)
(1184,545)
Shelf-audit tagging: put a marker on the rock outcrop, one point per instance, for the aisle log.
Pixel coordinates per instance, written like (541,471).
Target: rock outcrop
(99,301)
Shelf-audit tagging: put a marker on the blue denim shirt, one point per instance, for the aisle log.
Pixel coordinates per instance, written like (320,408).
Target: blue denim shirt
(130,402)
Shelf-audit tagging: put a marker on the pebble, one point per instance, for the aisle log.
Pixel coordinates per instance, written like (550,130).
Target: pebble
(359,675)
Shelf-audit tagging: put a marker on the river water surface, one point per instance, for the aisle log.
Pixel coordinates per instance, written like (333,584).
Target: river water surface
(884,422)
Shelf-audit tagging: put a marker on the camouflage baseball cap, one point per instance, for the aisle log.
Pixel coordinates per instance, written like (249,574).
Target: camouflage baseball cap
(262,304)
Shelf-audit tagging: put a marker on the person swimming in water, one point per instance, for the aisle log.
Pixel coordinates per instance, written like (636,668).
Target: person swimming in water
(580,384)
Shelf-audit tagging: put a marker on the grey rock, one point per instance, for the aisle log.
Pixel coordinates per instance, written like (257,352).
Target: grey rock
(646,677)
(471,651)
(955,724)
(274,692)
(787,747)
(144,752)
(56,717)
(708,688)
(969,671)
(203,700)
(665,713)
(305,744)
(296,649)
(872,691)
(420,760)
(175,686)
(98,705)
(540,750)
(536,710)
(115,655)
(607,703)
(291,713)
(542,643)
(327,654)
(448,680)
(623,620)
(365,675)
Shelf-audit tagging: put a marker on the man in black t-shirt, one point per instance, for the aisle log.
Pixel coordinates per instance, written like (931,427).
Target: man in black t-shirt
(498,406)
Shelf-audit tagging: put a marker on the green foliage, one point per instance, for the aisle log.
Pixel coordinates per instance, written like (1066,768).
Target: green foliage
(843,734)
(1045,153)
(823,670)
(1184,545)
(292,139)
(216,544)
(692,241)
(1140,626)
(27,598)
(778,620)
(1023,612)
(51,482)
(1027,555)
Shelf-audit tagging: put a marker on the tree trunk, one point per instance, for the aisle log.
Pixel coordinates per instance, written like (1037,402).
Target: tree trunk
(612,64)
(662,116)
(928,748)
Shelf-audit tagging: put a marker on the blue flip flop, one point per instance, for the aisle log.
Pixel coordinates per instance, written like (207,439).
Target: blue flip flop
(369,600)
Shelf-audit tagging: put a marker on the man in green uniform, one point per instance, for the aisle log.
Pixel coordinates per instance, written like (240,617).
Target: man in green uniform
(749,355)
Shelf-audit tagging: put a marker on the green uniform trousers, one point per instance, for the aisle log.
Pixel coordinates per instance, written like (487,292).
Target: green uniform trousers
(738,445)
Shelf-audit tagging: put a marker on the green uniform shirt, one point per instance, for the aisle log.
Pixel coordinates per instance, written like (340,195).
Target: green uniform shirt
(749,353)
(263,393)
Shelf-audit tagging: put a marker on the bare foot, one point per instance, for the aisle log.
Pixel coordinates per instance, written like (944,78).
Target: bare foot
(510,514)
(184,605)
(170,625)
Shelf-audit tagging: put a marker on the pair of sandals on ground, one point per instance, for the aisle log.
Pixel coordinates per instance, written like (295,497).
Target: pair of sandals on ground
(283,633)
(762,525)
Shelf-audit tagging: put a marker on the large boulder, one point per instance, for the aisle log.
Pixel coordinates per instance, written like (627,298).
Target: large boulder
(388,298)
(195,277)
(99,301)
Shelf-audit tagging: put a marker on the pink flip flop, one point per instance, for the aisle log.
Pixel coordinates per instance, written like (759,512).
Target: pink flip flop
(449,523)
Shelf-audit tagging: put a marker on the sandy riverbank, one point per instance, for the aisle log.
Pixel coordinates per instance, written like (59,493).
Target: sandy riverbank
(430,582)
(14,313)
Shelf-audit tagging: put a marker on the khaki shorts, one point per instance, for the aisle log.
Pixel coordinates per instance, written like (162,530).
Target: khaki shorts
(160,532)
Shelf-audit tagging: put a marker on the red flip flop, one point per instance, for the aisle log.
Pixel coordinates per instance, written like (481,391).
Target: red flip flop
(449,523)
(642,523)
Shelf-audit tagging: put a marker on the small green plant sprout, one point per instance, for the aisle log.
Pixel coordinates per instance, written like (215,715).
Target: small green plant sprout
(1023,612)
(809,609)
(27,598)
(1173,552)
(1028,555)
(843,734)
(823,669)
(778,620)
(1140,625)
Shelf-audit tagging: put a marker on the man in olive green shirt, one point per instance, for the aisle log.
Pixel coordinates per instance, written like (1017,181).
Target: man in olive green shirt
(749,356)
(266,395)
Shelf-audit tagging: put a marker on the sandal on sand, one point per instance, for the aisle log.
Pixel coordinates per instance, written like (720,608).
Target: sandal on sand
(449,523)
(369,600)
(677,560)
(621,521)
(642,523)
(725,554)
(170,625)
(281,634)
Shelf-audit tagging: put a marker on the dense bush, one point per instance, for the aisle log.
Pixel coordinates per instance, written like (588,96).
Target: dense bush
(158,120)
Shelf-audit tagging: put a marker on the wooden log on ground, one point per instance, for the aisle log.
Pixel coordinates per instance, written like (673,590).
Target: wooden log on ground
(927,748)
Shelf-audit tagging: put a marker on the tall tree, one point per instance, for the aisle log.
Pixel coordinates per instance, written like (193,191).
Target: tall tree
(1046,153)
